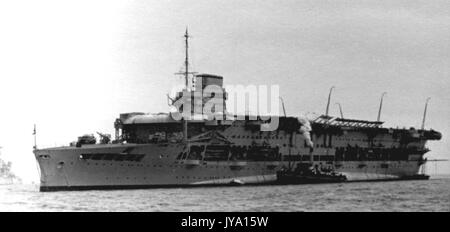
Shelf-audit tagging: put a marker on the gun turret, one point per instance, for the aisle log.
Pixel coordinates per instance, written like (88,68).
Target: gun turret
(104,138)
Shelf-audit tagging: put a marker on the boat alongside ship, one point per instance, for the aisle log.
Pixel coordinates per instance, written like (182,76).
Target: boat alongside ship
(156,150)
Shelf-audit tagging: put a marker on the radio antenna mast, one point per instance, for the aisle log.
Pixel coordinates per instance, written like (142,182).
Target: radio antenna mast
(381,105)
(328,102)
(340,109)
(186,81)
(425,113)
(186,62)
(282,104)
(34,134)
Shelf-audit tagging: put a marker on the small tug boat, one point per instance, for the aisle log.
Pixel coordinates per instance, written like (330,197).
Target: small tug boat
(305,173)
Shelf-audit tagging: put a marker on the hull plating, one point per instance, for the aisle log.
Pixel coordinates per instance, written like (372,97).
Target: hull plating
(67,169)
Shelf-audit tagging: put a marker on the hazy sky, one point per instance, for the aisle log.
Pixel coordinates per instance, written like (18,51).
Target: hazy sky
(72,67)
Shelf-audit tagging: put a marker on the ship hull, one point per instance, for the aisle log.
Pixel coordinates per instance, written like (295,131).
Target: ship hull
(67,168)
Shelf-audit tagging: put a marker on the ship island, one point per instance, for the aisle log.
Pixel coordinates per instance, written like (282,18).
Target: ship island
(153,150)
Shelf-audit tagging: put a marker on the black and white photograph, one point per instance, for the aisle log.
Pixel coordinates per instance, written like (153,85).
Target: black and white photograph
(224,106)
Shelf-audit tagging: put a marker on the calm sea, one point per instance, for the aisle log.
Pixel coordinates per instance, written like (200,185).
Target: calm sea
(424,195)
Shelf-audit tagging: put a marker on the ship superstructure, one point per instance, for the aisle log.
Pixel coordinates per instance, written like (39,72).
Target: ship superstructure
(158,150)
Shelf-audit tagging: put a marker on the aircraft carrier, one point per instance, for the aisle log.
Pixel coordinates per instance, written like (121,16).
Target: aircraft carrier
(157,150)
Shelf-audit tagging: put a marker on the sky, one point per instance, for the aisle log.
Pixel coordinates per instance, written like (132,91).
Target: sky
(71,67)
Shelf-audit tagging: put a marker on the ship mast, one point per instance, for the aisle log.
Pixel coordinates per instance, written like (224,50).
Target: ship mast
(381,105)
(328,102)
(340,109)
(282,103)
(34,135)
(186,79)
(186,82)
(186,62)
(425,113)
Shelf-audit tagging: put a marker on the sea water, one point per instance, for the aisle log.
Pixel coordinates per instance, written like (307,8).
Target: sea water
(420,195)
